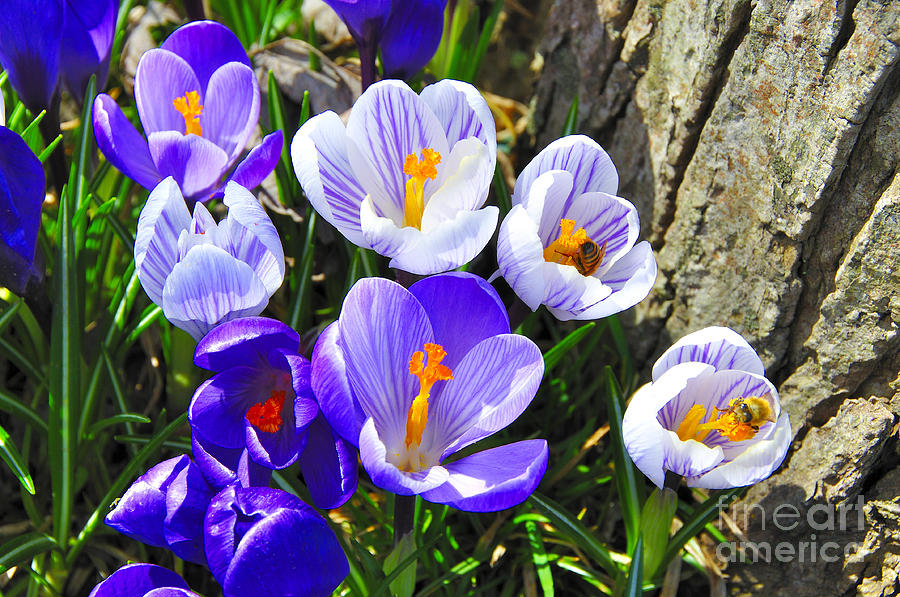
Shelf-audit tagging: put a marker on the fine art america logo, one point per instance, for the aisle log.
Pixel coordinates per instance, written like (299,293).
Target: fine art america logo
(822,523)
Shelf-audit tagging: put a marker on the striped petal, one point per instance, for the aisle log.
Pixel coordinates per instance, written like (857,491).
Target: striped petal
(720,347)
(231,108)
(374,455)
(161,77)
(463,113)
(608,220)
(161,222)
(520,256)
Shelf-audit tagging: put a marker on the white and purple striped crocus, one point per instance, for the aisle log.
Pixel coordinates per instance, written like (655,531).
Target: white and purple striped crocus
(413,376)
(408,175)
(202,273)
(198,102)
(709,415)
(569,241)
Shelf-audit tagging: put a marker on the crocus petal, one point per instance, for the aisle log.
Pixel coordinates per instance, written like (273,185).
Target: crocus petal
(381,326)
(135,580)
(187,498)
(382,234)
(389,122)
(331,386)
(206,46)
(364,16)
(30,34)
(373,453)
(260,162)
(590,166)
(2,111)
(252,237)
(121,144)
(163,218)
(569,294)
(231,108)
(491,387)
(224,466)
(454,243)
(87,38)
(195,163)
(462,184)
(463,113)
(607,220)
(754,464)
(319,155)
(494,479)
(720,347)
(243,342)
(161,77)
(411,36)
(459,330)
(219,406)
(276,450)
(329,466)
(520,255)
(210,286)
(141,511)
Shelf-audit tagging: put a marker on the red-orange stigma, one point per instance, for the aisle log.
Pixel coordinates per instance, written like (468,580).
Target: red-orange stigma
(189,107)
(428,374)
(266,416)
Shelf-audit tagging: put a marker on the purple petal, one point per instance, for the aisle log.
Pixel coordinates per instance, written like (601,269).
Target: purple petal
(196,163)
(206,46)
(381,326)
(219,407)
(389,122)
(329,466)
(134,580)
(141,511)
(494,479)
(278,449)
(411,36)
(608,220)
(463,113)
(363,16)
(121,144)
(463,310)
(224,466)
(245,341)
(331,386)
(520,256)
(163,218)
(30,34)
(260,162)
(87,38)
(491,387)
(186,501)
(720,347)
(374,455)
(319,155)
(231,109)
(629,279)
(210,286)
(161,77)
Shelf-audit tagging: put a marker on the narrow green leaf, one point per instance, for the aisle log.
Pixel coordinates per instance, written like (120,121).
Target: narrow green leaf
(656,520)
(626,481)
(404,579)
(13,458)
(553,356)
(484,40)
(402,566)
(267,22)
(570,126)
(634,585)
(304,110)
(704,513)
(23,548)
(14,405)
(503,199)
(9,313)
(301,300)
(115,420)
(575,530)
(539,557)
(21,361)
(49,149)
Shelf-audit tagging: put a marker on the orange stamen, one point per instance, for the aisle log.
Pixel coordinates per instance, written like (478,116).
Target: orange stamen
(267,416)
(726,422)
(418,171)
(566,246)
(428,374)
(189,107)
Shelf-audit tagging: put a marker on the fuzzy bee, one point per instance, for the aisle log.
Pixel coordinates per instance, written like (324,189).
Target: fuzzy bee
(588,257)
(752,411)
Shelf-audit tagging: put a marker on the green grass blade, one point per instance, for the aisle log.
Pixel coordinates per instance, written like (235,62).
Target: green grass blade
(633,587)
(14,406)
(570,126)
(704,513)
(539,557)
(116,420)
(49,149)
(504,202)
(484,40)
(13,458)
(301,300)
(553,356)
(23,548)
(626,481)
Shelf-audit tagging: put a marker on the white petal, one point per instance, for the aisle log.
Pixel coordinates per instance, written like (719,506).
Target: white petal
(606,219)
(252,238)
(163,218)
(463,113)
(383,235)
(720,347)
(629,279)
(546,200)
(569,293)
(463,184)
(521,255)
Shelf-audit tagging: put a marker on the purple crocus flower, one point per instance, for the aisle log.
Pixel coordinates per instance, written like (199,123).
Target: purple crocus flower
(261,401)
(408,175)
(21,196)
(138,580)
(202,273)
(709,415)
(164,507)
(569,242)
(262,541)
(198,102)
(73,38)
(413,376)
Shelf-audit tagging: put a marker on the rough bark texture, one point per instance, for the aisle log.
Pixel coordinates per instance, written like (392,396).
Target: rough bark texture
(761,143)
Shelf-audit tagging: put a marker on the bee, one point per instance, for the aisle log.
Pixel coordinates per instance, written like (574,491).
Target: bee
(752,411)
(588,257)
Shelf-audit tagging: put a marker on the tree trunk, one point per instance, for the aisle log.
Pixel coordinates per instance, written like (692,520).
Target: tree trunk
(761,143)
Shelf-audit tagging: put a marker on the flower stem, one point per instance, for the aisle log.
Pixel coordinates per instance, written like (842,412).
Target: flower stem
(404,516)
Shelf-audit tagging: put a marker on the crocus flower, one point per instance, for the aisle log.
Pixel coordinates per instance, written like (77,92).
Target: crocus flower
(164,507)
(198,101)
(261,401)
(569,242)
(413,376)
(138,580)
(21,197)
(407,176)
(709,415)
(202,273)
(262,541)
(73,38)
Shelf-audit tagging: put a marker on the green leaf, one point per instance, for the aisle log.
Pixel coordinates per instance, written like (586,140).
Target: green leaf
(626,482)
(115,420)
(11,456)
(301,299)
(483,41)
(13,405)
(23,548)
(553,356)
(503,199)
(656,520)
(633,587)
(539,557)
(704,513)
(404,579)
(570,126)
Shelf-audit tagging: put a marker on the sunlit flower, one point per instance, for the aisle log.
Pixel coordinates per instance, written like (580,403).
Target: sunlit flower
(407,176)
(413,376)
(198,101)
(261,401)
(138,580)
(709,415)
(569,242)
(21,198)
(262,541)
(202,273)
